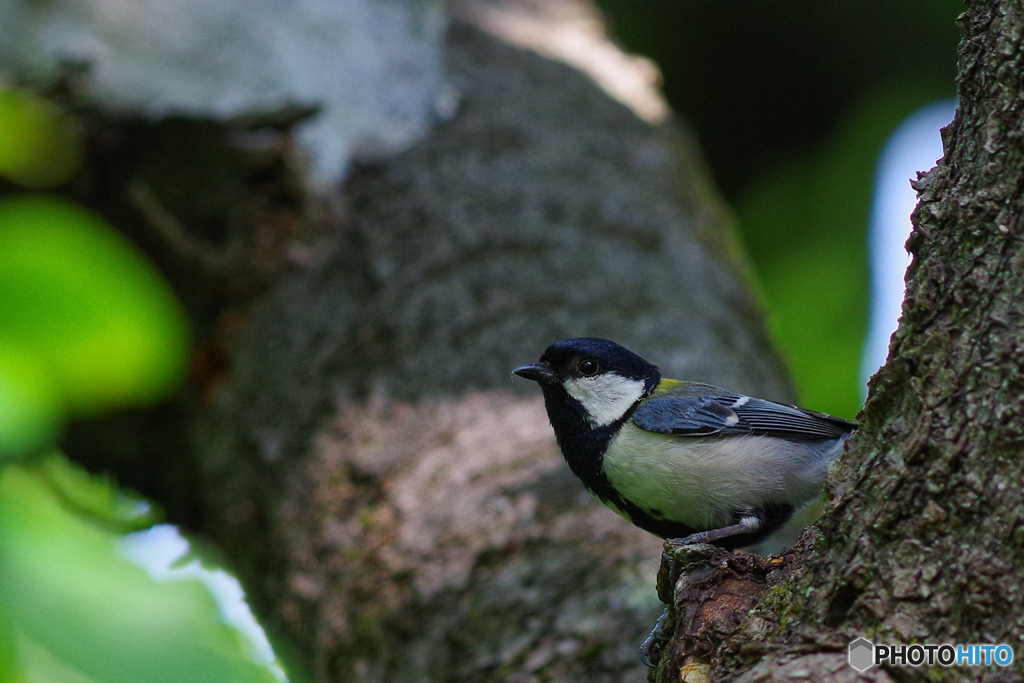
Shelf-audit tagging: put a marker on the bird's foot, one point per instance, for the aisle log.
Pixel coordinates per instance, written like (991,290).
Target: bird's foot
(749,522)
(650,650)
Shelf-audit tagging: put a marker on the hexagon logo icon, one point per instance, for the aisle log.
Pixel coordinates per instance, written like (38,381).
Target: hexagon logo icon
(862,654)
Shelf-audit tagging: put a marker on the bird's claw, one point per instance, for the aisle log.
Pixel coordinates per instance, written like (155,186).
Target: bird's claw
(650,649)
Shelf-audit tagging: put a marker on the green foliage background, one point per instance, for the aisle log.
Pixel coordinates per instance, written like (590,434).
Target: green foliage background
(86,326)
(805,227)
(792,102)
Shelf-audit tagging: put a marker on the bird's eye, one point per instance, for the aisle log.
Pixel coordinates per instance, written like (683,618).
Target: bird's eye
(589,367)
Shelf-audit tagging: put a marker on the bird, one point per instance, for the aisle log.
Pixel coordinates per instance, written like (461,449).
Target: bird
(686,461)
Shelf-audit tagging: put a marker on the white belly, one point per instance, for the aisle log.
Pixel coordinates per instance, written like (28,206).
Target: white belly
(702,482)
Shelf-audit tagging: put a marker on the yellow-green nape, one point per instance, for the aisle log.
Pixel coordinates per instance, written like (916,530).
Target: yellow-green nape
(668,385)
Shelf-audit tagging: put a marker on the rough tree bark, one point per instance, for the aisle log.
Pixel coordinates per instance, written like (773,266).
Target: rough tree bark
(394,508)
(922,541)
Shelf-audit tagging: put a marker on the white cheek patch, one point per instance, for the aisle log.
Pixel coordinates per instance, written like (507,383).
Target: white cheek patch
(605,398)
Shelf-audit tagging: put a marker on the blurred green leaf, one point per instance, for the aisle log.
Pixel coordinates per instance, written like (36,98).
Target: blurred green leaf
(67,600)
(30,408)
(39,145)
(87,307)
(94,497)
(805,226)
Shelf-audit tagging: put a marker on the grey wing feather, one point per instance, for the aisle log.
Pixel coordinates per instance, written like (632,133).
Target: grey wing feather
(728,413)
(691,416)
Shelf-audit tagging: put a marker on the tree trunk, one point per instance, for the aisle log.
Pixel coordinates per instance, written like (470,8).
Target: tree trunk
(392,506)
(922,540)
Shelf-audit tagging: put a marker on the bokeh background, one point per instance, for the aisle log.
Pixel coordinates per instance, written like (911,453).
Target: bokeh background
(793,103)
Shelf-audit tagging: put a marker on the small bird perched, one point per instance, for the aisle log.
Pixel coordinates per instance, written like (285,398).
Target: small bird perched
(688,462)
(682,460)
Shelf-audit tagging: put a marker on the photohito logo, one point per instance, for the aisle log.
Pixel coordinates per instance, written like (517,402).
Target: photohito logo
(864,654)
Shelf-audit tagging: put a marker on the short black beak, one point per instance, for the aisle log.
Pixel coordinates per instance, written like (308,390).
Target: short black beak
(537,372)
